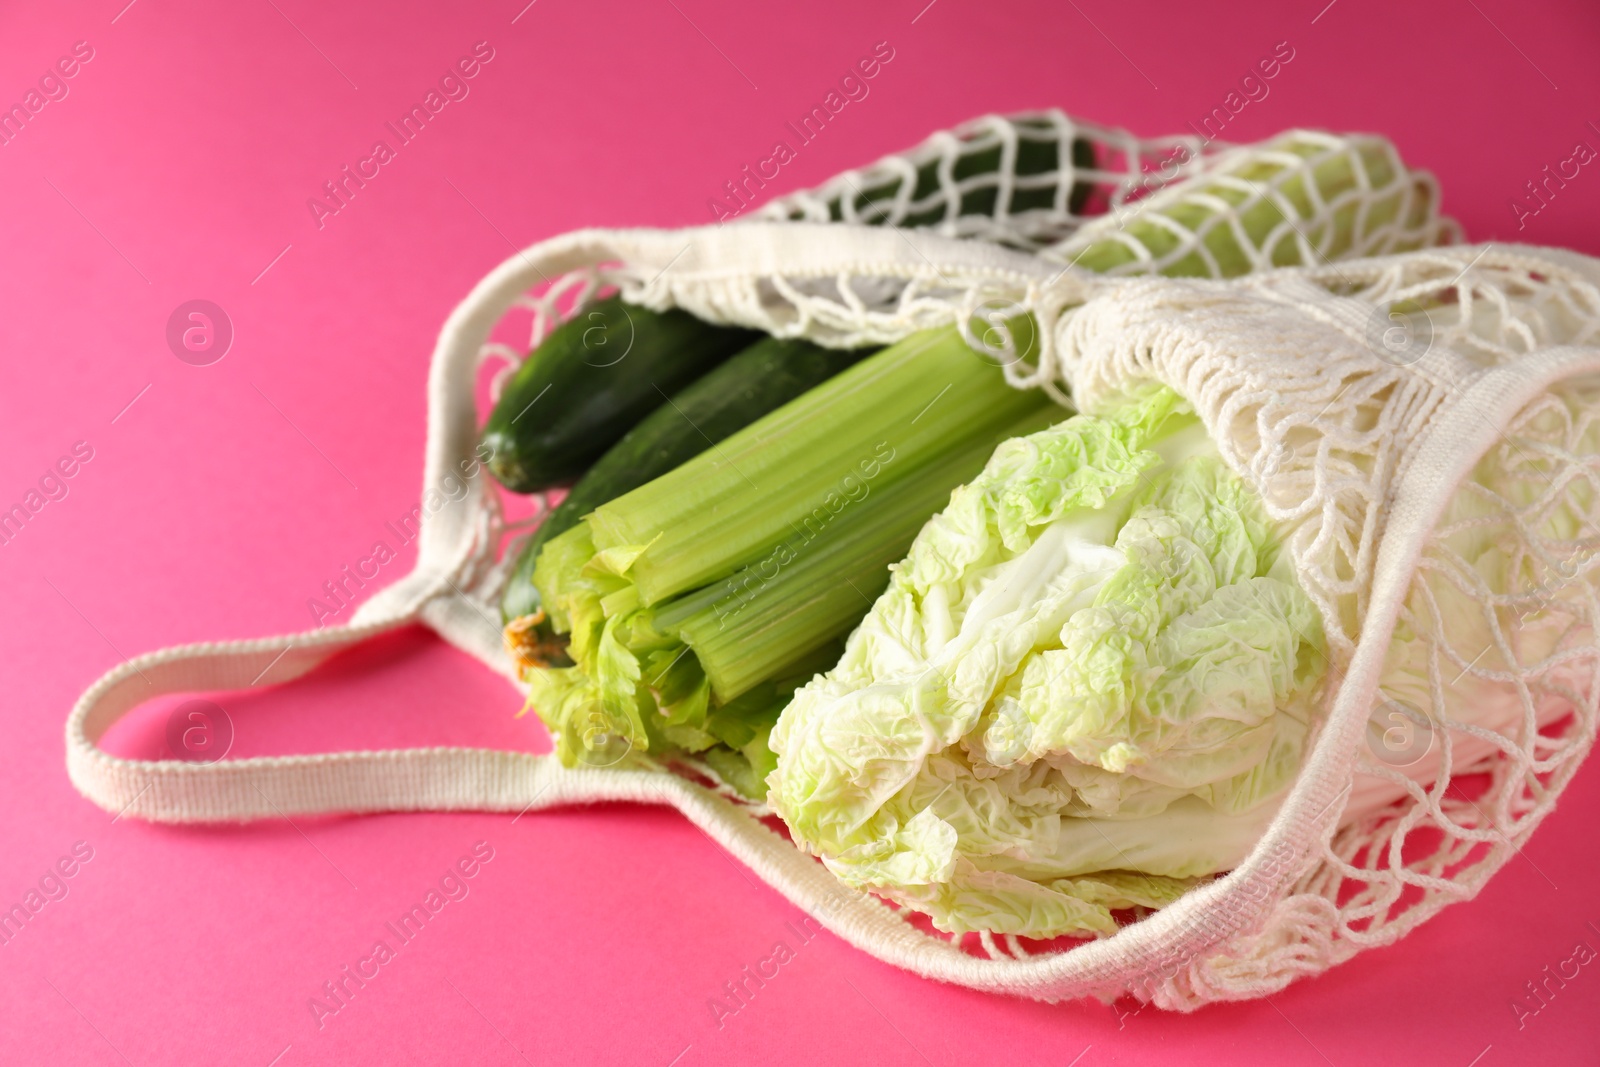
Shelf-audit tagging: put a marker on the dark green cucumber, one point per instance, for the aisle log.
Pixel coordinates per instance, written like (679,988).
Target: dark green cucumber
(762,378)
(590,381)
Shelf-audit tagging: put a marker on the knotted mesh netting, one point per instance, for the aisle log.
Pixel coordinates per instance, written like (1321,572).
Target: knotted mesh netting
(1419,418)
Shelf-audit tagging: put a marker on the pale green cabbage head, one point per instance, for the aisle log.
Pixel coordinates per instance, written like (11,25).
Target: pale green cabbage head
(1079,693)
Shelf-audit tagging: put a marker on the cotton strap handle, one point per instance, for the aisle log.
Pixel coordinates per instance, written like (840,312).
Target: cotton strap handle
(177,791)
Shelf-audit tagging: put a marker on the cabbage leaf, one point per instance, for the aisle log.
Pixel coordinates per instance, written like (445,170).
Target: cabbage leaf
(1081,690)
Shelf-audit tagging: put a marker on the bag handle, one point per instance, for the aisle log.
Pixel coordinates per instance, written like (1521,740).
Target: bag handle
(265,787)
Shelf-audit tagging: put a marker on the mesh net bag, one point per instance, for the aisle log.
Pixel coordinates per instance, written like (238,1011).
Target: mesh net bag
(1025,181)
(1421,416)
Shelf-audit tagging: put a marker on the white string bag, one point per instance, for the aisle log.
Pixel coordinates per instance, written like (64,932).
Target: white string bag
(1014,180)
(1360,453)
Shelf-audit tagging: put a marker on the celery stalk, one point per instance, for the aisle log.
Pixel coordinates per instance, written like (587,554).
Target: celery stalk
(871,424)
(813,588)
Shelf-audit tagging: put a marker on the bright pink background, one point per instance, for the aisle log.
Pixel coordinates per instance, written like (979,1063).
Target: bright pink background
(179,166)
